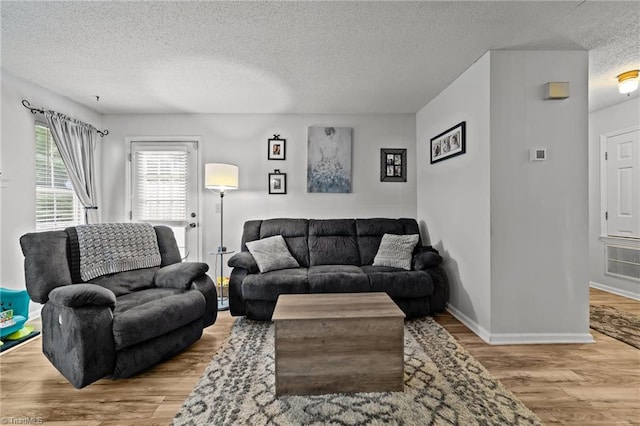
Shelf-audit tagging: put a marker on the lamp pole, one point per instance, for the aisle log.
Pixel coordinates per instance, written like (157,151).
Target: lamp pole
(222,248)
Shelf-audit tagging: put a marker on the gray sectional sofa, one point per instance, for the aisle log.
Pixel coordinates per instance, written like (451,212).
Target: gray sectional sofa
(116,324)
(335,256)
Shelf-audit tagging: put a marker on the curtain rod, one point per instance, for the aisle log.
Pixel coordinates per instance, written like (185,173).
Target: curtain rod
(27,105)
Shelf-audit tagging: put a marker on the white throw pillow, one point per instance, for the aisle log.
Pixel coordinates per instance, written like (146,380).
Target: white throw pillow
(272,254)
(396,251)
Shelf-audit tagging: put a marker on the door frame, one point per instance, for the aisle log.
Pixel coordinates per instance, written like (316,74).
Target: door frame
(603,179)
(199,184)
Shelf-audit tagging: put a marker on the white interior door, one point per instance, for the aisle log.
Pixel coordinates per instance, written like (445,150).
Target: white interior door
(623,184)
(164,190)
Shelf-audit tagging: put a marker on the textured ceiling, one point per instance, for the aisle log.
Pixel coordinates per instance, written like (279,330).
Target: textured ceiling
(296,57)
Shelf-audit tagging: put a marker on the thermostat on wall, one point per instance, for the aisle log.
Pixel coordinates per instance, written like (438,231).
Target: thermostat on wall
(538,154)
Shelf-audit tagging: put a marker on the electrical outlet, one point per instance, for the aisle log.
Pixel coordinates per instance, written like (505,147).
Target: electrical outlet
(217,207)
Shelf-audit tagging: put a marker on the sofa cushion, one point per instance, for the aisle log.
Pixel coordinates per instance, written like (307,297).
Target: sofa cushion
(294,231)
(396,250)
(398,282)
(337,279)
(146,314)
(127,282)
(270,285)
(333,242)
(272,254)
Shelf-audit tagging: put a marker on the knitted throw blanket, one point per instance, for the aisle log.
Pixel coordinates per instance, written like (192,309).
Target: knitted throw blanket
(107,248)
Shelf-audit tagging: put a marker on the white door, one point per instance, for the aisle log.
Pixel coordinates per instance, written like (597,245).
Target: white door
(164,190)
(623,184)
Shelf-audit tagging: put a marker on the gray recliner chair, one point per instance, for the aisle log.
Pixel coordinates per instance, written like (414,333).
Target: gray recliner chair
(116,324)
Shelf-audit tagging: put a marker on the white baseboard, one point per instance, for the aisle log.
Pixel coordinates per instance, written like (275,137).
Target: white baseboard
(539,338)
(614,290)
(34,311)
(518,338)
(470,324)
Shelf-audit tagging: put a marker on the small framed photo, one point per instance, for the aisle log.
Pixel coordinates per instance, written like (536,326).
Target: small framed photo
(449,143)
(277,182)
(276,148)
(393,165)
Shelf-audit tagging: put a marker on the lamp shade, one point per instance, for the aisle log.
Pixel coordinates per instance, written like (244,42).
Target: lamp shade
(220,177)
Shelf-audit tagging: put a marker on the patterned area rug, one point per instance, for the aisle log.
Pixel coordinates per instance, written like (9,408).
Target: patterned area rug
(444,385)
(620,325)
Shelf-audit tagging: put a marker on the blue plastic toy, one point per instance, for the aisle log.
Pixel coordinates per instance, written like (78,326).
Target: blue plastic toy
(12,323)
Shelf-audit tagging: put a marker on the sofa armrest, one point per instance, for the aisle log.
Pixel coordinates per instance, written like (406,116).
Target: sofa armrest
(77,295)
(244,260)
(79,341)
(426,258)
(179,275)
(205,285)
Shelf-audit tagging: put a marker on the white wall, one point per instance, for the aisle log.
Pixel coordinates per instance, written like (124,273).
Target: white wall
(539,210)
(513,233)
(242,139)
(617,117)
(17,206)
(453,195)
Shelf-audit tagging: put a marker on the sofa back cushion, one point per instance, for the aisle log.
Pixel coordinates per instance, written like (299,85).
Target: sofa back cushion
(294,231)
(333,242)
(250,232)
(127,282)
(46,264)
(316,242)
(370,232)
(168,246)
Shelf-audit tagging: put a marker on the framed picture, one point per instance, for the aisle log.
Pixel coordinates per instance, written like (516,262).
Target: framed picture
(449,143)
(277,182)
(276,148)
(329,159)
(393,165)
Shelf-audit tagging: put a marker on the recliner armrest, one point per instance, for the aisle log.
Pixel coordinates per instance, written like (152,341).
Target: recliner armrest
(426,259)
(204,284)
(77,295)
(179,275)
(244,260)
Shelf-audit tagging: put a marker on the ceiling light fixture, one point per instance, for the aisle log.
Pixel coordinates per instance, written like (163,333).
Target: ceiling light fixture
(628,82)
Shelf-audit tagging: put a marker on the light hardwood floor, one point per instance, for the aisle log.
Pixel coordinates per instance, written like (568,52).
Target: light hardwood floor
(590,384)
(31,387)
(577,384)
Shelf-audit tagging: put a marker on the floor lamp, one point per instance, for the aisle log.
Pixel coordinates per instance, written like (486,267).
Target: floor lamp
(221,177)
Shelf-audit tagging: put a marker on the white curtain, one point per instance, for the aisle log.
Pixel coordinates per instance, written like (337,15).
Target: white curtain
(76,142)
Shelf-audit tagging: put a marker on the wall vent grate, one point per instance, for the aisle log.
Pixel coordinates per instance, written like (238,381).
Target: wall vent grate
(623,261)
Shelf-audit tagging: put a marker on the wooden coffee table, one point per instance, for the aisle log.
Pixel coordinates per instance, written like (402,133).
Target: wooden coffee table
(343,342)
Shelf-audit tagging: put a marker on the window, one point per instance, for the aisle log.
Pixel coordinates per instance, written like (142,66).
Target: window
(57,206)
(160,192)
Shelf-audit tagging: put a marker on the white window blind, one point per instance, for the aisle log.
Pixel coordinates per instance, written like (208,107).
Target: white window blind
(160,184)
(57,206)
